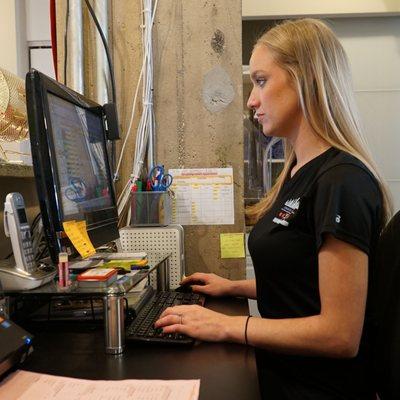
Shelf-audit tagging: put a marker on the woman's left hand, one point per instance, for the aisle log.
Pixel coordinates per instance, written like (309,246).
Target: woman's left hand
(195,321)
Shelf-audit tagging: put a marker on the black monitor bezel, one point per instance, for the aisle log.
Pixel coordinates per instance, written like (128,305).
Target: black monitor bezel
(102,225)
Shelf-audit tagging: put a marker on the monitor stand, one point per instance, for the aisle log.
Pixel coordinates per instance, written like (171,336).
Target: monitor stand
(13,278)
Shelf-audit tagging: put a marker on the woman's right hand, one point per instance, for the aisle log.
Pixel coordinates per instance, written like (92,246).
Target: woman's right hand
(209,284)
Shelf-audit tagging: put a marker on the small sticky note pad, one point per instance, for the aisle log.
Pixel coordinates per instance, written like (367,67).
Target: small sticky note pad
(77,234)
(232,245)
(82,229)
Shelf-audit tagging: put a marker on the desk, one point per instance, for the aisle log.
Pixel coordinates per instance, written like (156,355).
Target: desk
(227,371)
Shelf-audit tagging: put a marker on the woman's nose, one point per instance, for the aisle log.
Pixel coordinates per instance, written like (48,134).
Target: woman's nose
(252,102)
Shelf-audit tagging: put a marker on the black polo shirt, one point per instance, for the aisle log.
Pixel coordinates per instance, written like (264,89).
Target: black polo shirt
(332,194)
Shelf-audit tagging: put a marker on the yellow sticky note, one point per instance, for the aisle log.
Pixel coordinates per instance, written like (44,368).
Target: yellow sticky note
(232,245)
(79,239)
(82,229)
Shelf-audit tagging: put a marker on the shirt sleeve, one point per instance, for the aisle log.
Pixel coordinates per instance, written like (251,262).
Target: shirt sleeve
(347,205)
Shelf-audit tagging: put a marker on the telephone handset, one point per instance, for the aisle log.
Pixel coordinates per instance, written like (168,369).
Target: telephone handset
(17,228)
(21,272)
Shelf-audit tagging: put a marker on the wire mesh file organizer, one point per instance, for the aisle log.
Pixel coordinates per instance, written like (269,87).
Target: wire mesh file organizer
(160,239)
(150,208)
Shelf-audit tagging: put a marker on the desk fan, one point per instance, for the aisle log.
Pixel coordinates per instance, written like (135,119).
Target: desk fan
(13,118)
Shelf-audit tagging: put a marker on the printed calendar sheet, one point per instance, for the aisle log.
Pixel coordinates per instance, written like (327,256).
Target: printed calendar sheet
(203,196)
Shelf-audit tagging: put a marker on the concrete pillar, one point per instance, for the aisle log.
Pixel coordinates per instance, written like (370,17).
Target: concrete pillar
(198,104)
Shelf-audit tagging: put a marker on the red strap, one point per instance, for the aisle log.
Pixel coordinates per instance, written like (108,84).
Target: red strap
(53,31)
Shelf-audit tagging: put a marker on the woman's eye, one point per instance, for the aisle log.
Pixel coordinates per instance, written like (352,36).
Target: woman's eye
(260,82)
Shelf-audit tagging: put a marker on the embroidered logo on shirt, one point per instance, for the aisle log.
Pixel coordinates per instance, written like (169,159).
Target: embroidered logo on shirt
(337,219)
(287,211)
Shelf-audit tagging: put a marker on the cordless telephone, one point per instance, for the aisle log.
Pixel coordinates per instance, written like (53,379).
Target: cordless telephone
(23,273)
(17,228)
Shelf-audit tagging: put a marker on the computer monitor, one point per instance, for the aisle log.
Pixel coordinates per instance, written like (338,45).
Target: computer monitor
(73,178)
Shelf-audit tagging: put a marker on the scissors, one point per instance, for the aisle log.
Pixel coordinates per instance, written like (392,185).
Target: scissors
(76,191)
(159,181)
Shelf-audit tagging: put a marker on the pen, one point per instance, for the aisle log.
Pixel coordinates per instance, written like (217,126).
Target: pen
(138,267)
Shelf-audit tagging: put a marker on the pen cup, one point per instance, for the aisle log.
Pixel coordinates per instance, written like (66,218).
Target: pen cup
(150,209)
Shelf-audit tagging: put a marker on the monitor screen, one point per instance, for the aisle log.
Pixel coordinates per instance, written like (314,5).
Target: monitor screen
(70,162)
(78,141)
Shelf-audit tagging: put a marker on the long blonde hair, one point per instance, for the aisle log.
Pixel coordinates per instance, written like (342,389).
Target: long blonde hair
(312,55)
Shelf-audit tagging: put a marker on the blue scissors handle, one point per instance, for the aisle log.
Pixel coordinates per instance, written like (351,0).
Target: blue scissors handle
(166,182)
(158,180)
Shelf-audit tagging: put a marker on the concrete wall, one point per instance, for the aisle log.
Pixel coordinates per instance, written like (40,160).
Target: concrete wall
(196,43)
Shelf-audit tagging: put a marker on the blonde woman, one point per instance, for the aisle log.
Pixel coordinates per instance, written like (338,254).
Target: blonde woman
(316,231)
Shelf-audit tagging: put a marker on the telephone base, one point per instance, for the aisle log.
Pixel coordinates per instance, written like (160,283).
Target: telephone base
(13,278)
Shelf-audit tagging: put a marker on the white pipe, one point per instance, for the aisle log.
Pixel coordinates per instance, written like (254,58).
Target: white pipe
(75,47)
(102,74)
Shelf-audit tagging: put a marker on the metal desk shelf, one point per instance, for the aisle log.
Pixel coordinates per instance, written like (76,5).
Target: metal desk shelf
(112,296)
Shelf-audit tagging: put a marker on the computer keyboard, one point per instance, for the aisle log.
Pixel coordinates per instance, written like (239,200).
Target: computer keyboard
(142,328)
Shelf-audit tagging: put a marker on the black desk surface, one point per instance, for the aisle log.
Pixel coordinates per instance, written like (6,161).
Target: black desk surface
(226,371)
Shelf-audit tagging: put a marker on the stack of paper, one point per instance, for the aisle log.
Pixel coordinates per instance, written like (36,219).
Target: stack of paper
(23,385)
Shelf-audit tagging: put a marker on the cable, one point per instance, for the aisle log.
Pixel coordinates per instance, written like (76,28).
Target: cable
(39,243)
(146,128)
(103,39)
(111,70)
(42,254)
(35,221)
(36,234)
(128,132)
(146,56)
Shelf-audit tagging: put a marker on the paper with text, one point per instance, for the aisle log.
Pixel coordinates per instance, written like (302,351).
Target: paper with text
(23,385)
(203,196)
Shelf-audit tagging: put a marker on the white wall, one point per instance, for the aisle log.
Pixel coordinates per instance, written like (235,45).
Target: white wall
(23,23)
(14,56)
(38,35)
(13,45)
(37,20)
(373,48)
(8,36)
(253,9)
